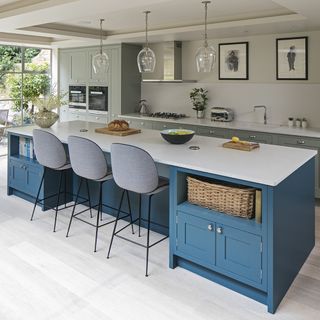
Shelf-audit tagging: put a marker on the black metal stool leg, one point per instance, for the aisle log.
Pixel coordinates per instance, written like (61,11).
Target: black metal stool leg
(65,188)
(89,198)
(99,213)
(38,193)
(74,207)
(148,235)
(130,212)
(140,214)
(115,224)
(58,200)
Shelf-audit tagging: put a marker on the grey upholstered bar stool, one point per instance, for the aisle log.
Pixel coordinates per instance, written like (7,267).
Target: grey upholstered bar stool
(134,170)
(51,154)
(89,163)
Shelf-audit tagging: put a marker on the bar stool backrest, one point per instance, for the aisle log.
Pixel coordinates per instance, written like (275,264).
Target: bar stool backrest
(133,168)
(87,158)
(49,149)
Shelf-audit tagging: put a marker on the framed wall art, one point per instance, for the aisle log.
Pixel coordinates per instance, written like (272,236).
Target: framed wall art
(234,61)
(292,58)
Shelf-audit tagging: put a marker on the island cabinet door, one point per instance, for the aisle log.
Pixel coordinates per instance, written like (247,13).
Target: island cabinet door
(239,253)
(24,177)
(196,239)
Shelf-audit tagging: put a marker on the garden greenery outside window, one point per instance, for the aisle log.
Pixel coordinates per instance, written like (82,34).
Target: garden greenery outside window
(25,73)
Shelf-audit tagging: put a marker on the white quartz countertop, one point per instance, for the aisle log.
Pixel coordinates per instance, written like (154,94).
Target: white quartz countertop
(236,125)
(267,165)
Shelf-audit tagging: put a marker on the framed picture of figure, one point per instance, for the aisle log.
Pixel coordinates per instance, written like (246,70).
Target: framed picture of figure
(234,61)
(292,58)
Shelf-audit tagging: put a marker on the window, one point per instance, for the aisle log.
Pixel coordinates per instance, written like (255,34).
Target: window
(25,73)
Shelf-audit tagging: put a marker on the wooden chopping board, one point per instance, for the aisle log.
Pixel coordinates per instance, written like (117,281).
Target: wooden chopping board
(241,146)
(118,133)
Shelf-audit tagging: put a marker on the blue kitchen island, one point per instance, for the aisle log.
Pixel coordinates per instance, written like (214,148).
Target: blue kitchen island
(259,258)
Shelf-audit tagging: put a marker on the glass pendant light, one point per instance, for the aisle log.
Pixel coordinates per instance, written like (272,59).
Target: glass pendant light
(146,58)
(206,55)
(100,61)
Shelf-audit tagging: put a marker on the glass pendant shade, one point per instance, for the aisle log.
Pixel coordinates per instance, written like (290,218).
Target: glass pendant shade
(206,55)
(205,58)
(146,60)
(100,63)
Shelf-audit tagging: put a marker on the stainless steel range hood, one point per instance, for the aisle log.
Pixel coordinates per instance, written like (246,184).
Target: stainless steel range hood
(168,64)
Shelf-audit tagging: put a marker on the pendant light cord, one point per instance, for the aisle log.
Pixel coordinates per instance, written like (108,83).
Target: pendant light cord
(147,42)
(101,20)
(205,22)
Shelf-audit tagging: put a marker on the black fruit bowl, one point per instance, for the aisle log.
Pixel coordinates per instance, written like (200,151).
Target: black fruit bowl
(177,136)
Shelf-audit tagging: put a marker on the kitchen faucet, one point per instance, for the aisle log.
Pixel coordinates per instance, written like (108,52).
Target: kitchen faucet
(265,112)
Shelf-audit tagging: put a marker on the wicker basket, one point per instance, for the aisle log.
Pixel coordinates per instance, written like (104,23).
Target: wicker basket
(234,200)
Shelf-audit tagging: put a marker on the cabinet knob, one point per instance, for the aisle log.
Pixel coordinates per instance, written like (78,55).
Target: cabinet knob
(211,131)
(164,126)
(219,230)
(300,142)
(210,227)
(252,137)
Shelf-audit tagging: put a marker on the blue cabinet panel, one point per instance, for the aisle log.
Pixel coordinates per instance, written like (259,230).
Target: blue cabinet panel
(196,238)
(239,252)
(24,176)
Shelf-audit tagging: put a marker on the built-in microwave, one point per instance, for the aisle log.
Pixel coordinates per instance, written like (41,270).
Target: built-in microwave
(78,97)
(98,99)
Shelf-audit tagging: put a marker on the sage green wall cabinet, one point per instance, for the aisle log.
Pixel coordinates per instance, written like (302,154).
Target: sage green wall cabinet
(123,78)
(79,67)
(307,143)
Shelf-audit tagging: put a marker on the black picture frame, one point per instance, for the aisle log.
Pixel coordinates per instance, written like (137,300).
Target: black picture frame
(238,70)
(296,67)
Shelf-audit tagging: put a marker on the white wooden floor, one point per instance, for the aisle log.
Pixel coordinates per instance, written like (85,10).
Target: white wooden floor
(46,276)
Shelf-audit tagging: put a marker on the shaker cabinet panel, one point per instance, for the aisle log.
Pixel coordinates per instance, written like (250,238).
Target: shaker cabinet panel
(239,252)
(79,67)
(196,238)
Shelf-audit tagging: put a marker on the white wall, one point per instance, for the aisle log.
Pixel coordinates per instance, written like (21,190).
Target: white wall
(294,98)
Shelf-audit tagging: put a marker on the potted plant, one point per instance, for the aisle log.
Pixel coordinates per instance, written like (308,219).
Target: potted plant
(199,100)
(46,117)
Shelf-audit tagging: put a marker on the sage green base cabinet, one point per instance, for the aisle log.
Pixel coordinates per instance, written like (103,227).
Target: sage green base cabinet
(139,124)
(260,137)
(215,132)
(123,79)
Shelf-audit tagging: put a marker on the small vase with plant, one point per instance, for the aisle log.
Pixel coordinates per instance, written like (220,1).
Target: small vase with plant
(46,117)
(199,100)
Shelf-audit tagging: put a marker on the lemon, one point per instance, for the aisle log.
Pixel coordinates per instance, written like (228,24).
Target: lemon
(235,139)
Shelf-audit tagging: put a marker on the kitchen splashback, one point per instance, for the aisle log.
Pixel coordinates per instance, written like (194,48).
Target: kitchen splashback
(282,100)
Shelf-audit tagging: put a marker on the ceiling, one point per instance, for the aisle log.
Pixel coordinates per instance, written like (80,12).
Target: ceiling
(69,23)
